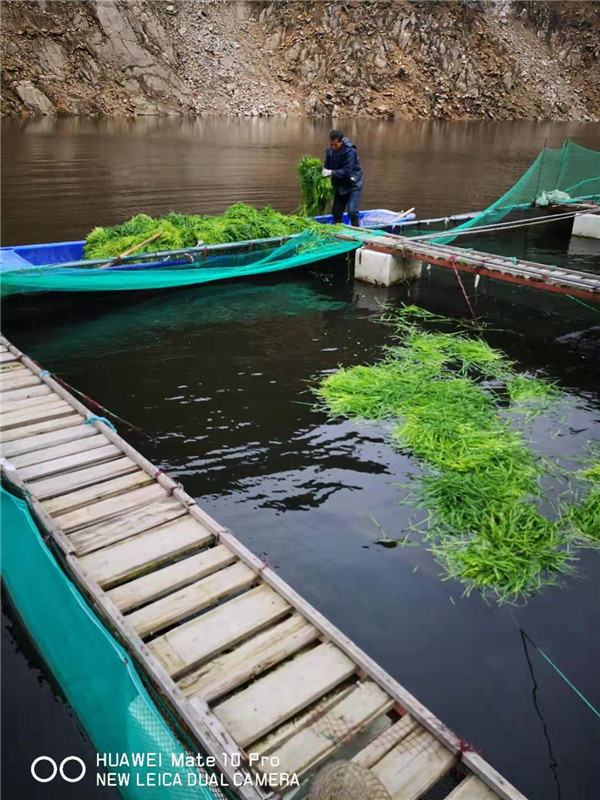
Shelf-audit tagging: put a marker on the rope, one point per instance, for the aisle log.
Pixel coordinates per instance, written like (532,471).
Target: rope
(98,405)
(553,761)
(554,667)
(458,278)
(559,672)
(518,223)
(539,176)
(94,418)
(583,303)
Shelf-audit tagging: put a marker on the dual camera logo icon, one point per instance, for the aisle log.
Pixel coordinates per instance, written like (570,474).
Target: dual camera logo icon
(42,774)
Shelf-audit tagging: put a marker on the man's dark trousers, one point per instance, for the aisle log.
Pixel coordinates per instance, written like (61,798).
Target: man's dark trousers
(350,199)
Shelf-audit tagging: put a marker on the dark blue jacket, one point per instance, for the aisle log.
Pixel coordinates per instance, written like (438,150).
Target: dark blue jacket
(346,172)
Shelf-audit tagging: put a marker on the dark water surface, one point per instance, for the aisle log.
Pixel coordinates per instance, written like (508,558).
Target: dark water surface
(217,377)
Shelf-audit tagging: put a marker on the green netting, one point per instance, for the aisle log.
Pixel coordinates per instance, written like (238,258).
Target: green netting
(570,169)
(303,249)
(92,669)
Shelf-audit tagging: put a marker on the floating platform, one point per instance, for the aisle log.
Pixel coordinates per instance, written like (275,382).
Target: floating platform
(407,253)
(245,665)
(587,225)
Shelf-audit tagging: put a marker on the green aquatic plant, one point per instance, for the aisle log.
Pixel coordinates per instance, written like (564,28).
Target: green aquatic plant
(585,516)
(240,222)
(456,405)
(514,552)
(316,192)
(522,388)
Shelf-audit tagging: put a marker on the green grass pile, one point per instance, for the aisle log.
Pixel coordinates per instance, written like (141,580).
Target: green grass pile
(316,192)
(456,405)
(239,223)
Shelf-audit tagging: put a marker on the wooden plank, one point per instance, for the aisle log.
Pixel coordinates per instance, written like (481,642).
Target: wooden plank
(250,659)
(127,524)
(225,626)
(41,390)
(41,427)
(91,495)
(112,507)
(20,380)
(41,441)
(171,578)
(97,477)
(7,356)
(279,695)
(29,402)
(51,410)
(13,368)
(413,766)
(310,746)
(472,789)
(59,451)
(145,550)
(68,463)
(280,735)
(376,750)
(192,599)
(9,405)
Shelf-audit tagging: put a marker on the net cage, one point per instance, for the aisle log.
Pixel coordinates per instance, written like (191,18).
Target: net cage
(570,172)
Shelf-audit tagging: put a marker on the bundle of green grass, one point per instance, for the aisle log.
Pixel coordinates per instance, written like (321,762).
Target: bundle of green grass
(177,231)
(316,192)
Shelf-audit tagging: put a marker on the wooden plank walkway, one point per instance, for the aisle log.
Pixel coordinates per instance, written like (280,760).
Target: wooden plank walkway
(245,664)
(584,285)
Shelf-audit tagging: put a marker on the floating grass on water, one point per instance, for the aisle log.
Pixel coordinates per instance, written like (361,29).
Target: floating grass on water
(456,405)
(316,192)
(239,223)
(585,516)
(522,388)
(385,541)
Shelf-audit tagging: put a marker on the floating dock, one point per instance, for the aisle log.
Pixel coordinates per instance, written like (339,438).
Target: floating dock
(248,668)
(584,285)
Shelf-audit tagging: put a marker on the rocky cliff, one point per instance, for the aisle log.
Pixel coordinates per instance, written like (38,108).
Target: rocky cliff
(506,59)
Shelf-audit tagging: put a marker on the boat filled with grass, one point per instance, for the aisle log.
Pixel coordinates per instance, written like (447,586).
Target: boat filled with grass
(178,250)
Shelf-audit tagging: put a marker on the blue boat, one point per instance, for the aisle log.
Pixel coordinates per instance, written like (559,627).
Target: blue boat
(70,254)
(62,267)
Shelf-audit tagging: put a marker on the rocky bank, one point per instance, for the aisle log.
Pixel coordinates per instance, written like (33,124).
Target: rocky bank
(389,58)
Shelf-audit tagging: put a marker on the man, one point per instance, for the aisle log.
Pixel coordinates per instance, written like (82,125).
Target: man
(343,166)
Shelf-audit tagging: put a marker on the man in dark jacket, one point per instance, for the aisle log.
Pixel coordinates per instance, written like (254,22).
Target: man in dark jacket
(343,166)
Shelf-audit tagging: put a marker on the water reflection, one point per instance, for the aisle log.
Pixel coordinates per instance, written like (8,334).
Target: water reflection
(61,177)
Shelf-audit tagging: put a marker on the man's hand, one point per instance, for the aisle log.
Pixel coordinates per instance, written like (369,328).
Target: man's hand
(326,173)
